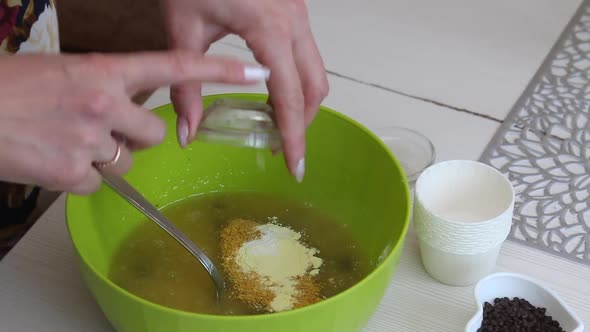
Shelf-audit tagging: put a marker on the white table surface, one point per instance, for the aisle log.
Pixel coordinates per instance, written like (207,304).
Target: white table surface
(418,64)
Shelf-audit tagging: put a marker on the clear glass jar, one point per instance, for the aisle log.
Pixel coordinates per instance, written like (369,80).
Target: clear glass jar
(239,122)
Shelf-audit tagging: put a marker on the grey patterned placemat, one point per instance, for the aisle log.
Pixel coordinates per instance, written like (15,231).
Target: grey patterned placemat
(543,146)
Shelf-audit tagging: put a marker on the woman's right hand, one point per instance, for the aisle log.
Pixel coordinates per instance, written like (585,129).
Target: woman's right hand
(58,114)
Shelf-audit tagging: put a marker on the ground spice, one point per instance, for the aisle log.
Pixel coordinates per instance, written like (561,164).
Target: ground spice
(245,286)
(251,288)
(309,291)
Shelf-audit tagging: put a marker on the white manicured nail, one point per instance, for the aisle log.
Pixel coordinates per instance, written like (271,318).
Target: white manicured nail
(252,73)
(300,170)
(182,131)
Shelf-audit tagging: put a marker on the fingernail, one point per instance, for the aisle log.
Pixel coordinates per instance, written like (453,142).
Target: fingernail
(300,170)
(252,73)
(182,131)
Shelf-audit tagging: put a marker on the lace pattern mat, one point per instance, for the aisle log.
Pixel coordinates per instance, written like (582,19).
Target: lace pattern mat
(543,146)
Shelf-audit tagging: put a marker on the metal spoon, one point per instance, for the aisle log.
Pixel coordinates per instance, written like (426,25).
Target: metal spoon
(130,194)
(226,121)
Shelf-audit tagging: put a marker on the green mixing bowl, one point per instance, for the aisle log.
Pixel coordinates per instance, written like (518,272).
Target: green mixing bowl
(350,174)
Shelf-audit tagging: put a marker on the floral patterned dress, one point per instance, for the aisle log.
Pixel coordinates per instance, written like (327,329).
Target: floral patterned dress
(26,26)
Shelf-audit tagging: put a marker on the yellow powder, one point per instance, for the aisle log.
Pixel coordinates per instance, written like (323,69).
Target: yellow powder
(277,254)
(270,259)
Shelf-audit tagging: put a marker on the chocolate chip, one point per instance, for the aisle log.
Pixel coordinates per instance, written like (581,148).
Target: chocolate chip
(516,315)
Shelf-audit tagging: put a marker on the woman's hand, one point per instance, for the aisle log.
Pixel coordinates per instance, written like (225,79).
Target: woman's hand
(278,33)
(58,114)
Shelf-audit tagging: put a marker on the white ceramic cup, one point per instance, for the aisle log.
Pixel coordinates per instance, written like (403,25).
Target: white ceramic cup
(462,215)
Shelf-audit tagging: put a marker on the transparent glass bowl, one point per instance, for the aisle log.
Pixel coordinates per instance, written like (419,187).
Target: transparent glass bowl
(414,151)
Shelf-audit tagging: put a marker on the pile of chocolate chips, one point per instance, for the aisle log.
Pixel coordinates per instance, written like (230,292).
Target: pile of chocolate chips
(516,315)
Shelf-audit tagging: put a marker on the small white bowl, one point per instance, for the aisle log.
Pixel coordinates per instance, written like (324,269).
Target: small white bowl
(499,285)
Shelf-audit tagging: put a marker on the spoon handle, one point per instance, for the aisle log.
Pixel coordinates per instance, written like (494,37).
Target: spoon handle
(127,191)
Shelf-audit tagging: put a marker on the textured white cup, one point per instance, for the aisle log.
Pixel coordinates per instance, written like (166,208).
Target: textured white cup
(462,215)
